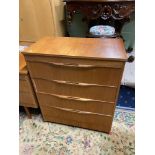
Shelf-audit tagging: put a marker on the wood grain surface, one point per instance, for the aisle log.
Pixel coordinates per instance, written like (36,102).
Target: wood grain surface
(77,80)
(22,64)
(27,96)
(99,48)
(47,99)
(75,74)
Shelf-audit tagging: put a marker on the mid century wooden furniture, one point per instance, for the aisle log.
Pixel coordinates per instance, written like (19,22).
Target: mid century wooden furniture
(27,97)
(77,80)
(117,11)
(39,18)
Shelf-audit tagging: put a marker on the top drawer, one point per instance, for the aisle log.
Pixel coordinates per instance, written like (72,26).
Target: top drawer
(75,70)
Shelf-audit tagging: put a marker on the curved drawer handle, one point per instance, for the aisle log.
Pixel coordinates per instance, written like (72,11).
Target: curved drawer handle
(82,84)
(73,65)
(75,83)
(75,98)
(82,66)
(80,112)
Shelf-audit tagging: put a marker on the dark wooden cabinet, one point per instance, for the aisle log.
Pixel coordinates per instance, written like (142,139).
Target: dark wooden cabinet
(110,12)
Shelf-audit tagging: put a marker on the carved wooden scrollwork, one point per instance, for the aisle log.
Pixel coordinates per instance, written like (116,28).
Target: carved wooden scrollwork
(117,11)
(121,11)
(92,11)
(106,12)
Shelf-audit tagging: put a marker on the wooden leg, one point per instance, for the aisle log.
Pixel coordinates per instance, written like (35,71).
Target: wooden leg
(28,112)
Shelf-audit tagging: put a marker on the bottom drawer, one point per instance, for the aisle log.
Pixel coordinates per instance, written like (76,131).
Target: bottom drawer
(27,100)
(76,103)
(78,118)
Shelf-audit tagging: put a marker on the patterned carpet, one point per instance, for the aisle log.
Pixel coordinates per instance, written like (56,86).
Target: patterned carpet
(42,138)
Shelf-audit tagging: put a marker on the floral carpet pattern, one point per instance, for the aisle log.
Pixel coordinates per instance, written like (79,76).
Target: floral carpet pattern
(42,138)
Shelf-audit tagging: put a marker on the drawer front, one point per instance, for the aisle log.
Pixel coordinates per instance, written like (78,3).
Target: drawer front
(66,60)
(27,96)
(86,73)
(27,100)
(24,86)
(82,90)
(53,100)
(77,118)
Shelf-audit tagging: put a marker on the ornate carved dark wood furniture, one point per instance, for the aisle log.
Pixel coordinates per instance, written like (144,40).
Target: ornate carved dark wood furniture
(114,11)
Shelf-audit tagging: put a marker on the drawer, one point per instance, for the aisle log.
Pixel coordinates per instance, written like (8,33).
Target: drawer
(66,59)
(27,96)
(82,104)
(27,100)
(24,86)
(82,90)
(103,73)
(82,119)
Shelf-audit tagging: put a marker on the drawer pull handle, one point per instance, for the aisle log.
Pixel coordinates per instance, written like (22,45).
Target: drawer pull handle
(68,82)
(74,65)
(84,66)
(80,112)
(82,84)
(75,98)
(76,83)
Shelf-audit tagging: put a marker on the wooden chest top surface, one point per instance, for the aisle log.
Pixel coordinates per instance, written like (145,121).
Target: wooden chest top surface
(98,48)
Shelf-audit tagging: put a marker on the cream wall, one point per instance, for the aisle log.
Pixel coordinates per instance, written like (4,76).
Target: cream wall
(39,18)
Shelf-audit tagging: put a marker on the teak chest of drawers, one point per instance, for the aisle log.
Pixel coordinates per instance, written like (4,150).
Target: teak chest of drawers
(77,80)
(27,97)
